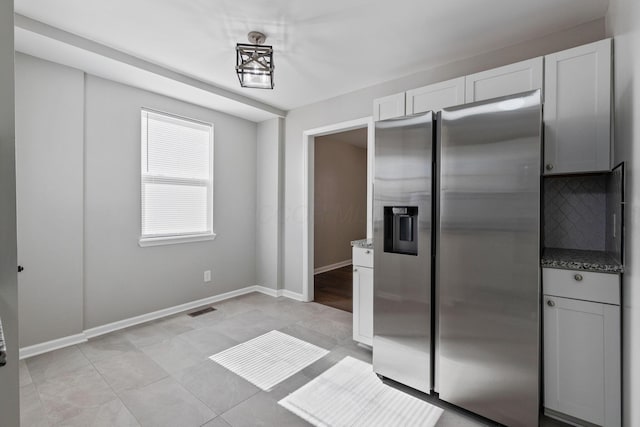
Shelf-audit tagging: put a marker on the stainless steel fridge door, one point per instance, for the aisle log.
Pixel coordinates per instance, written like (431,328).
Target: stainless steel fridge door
(402,253)
(488,267)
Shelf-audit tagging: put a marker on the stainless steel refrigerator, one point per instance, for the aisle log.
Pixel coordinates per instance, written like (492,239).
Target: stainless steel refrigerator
(402,228)
(488,268)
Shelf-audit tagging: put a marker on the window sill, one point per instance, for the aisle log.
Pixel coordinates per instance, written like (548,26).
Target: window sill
(174,240)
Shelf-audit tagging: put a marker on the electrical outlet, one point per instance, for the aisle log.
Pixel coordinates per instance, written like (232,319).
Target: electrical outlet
(207,276)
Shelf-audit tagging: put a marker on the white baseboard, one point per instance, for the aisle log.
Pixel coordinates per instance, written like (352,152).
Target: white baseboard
(365,346)
(279,293)
(132,321)
(567,419)
(56,344)
(268,291)
(45,347)
(292,295)
(332,267)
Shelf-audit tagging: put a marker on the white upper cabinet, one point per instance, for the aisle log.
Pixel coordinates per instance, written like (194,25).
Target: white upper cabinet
(389,107)
(577,110)
(508,80)
(436,96)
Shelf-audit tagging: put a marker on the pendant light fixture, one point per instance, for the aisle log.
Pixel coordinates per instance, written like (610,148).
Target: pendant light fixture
(254,62)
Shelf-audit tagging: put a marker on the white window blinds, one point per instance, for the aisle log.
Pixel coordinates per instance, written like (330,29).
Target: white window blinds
(177,176)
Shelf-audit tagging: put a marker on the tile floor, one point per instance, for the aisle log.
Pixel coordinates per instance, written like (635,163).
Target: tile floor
(159,374)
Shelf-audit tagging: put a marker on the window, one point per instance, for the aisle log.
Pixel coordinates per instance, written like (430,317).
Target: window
(176,178)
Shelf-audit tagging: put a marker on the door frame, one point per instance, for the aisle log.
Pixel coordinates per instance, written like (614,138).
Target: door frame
(308,146)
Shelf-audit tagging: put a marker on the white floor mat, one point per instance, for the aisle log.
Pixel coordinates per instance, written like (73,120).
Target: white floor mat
(350,394)
(269,359)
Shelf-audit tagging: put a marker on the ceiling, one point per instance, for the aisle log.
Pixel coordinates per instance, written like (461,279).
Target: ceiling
(321,48)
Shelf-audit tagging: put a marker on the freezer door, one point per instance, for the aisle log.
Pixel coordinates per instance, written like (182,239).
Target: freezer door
(403,255)
(488,267)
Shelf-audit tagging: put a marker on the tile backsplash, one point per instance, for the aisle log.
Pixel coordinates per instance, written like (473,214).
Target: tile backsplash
(575,212)
(585,212)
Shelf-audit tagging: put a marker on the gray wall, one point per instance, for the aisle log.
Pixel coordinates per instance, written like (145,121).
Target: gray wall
(359,104)
(340,207)
(268,201)
(124,280)
(79,153)
(623,23)
(9,396)
(49,168)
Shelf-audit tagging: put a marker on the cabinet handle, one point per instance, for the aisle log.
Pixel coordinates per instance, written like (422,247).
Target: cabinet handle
(549,166)
(550,303)
(367,251)
(578,277)
(355,269)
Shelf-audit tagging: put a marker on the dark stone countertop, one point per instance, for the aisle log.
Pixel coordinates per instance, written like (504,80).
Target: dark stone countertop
(575,259)
(363,243)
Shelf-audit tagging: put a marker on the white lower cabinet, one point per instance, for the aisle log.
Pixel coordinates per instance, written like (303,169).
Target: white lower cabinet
(363,295)
(582,359)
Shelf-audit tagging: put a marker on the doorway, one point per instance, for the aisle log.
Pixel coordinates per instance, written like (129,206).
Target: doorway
(340,213)
(309,142)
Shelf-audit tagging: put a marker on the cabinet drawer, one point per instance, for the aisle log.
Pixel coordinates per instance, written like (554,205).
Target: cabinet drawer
(583,285)
(363,257)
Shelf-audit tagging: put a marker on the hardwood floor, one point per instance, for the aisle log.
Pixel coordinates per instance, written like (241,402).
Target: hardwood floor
(335,288)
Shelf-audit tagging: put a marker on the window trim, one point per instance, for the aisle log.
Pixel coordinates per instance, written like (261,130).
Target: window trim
(171,239)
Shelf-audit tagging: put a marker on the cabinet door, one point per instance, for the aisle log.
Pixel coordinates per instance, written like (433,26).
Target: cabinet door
(363,305)
(435,97)
(389,107)
(577,109)
(582,359)
(508,80)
